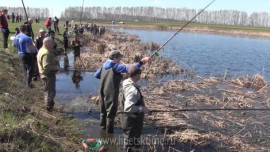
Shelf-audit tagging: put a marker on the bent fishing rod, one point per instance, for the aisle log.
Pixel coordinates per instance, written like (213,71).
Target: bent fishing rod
(201,109)
(156,52)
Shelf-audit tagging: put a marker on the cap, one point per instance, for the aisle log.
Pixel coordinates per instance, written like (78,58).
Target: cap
(115,54)
(41,30)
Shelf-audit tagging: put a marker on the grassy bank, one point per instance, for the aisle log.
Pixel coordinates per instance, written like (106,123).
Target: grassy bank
(195,27)
(25,125)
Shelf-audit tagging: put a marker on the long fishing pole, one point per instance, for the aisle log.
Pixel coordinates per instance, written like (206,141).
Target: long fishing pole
(213,109)
(207,109)
(81,12)
(25,10)
(155,53)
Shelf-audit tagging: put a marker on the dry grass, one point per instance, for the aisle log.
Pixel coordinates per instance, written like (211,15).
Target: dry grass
(133,51)
(223,130)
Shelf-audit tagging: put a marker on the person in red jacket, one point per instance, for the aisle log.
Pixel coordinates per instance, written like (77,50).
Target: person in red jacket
(4,27)
(48,22)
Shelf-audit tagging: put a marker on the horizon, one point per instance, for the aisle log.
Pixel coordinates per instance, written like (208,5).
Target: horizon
(249,6)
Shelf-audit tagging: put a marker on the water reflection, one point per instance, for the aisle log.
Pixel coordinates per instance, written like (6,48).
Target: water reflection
(77,78)
(66,62)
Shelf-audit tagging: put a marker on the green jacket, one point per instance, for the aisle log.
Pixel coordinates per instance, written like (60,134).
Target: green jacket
(47,63)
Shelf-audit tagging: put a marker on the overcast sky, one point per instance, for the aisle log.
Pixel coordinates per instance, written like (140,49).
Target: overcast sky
(58,6)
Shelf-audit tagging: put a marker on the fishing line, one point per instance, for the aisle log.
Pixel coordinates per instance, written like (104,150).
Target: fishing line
(156,52)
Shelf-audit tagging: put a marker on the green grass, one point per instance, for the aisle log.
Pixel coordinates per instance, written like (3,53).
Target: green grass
(25,130)
(179,24)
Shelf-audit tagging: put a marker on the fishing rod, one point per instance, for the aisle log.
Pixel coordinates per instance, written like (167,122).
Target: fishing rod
(25,10)
(81,12)
(208,109)
(156,52)
(79,69)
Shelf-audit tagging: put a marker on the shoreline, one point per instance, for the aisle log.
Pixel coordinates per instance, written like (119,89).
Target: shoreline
(200,29)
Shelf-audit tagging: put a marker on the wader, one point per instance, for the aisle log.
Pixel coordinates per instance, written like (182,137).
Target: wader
(132,125)
(49,90)
(108,98)
(28,67)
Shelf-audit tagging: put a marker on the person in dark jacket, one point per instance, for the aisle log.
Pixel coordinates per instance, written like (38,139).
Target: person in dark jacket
(110,77)
(134,108)
(4,27)
(39,39)
(29,31)
(65,39)
(76,44)
(56,25)
(13,17)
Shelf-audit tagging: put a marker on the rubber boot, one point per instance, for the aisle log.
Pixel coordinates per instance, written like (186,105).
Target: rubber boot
(102,123)
(110,126)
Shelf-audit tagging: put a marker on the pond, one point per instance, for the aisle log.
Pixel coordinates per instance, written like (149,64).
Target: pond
(212,54)
(207,54)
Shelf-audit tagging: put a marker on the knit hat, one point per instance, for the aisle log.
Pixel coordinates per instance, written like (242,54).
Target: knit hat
(115,54)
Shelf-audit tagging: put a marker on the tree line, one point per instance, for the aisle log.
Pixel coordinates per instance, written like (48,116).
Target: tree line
(156,14)
(41,13)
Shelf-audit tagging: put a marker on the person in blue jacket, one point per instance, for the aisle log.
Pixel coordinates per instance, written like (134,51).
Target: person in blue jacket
(110,77)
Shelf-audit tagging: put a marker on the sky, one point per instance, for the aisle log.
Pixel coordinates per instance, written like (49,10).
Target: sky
(58,6)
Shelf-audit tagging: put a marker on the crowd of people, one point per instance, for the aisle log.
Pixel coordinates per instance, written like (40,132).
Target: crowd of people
(39,62)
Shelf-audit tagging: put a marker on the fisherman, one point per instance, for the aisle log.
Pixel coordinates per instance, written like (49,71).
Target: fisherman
(17,31)
(29,31)
(17,18)
(48,67)
(66,25)
(51,33)
(75,29)
(25,47)
(133,105)
(39,39)
(12,17)
(65,39)
(48,23)
(20,17)
(81,29)
(4,27)
(110,77)
(76,44)
(39,44)
(55,24)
